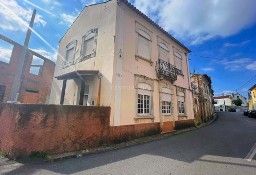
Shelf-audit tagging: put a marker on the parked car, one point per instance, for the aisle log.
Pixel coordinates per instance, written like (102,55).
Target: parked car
(246,112)
(252,114)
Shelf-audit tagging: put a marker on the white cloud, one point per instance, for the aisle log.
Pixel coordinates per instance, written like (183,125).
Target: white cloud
(52,2)
(50,55)
(238,64)
(68,18)
(208,69)
(5,54)
(236,44)
(252,66)
(13,16)
(197,20)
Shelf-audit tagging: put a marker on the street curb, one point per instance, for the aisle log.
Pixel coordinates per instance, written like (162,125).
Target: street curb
(76,154)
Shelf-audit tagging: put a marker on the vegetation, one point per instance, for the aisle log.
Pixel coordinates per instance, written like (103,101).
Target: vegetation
(237,102)
(3,154)
(38,154)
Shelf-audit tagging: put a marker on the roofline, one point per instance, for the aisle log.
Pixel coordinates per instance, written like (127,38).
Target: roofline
(80,14)
(153,23)
(141,14)
(254,86)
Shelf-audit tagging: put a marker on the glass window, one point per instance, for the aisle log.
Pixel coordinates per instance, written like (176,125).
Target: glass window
(166,107)
(143,104)
(181,105)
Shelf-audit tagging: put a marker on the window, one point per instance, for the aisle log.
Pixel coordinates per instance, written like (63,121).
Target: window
(166,101)
(86,95)
(144,99)
(163,52)
(181,105)
(89,44)
(143,42)
(70,53)
(181,101)
(178,61)
(166,107)
(5,51)
(36,65)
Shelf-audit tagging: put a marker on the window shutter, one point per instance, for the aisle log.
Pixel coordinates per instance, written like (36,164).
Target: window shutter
(143,47)
(166,97)
(181,99)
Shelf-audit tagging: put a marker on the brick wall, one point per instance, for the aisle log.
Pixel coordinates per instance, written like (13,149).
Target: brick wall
(57,129)
(40,84)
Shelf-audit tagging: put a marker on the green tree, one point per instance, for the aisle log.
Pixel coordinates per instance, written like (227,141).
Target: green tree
(237,102)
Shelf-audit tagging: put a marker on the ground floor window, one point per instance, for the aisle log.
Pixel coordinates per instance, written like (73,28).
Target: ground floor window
(181,107)
(166,107)
(143,104)
(144,98)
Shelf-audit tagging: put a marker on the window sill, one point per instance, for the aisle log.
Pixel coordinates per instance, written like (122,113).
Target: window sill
(144,117)
(182,115)
(67,65)
(137,57)
(86,57)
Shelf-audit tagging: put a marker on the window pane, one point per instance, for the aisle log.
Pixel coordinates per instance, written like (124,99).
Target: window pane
(70,54)
(178,63)
(88,47)
(143,47)
(163,54)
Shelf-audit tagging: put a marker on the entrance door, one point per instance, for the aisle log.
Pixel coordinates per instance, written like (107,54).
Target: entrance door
(84,94)
(2,91)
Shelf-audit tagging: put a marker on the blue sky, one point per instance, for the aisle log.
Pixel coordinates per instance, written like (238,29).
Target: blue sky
(220,33)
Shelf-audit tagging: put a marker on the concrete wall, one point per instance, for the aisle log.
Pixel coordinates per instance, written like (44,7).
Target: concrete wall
(57,129)
(40,83)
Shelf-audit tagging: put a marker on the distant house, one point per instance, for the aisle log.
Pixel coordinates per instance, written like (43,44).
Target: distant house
(36,76)
(202,97)
(222,103)
(114,55)
(252,97)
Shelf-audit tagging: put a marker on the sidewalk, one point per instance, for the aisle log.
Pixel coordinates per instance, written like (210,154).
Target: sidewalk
(81,153)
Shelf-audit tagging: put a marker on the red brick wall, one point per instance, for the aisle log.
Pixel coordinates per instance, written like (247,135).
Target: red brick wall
(58,129)
(41,83)
(183,124)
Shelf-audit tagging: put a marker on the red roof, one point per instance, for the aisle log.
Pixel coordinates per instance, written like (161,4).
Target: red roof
(223,96)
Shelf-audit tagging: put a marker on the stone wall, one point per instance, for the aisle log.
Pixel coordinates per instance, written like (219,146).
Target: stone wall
(58,129)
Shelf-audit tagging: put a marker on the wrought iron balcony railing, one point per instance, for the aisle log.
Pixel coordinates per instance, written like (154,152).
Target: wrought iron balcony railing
(166,70)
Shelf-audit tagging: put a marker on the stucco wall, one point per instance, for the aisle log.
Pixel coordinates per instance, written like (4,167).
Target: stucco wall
(102,17)
(57,129)
(131,66)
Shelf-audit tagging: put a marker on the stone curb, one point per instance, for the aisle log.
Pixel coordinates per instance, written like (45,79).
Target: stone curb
(143,140)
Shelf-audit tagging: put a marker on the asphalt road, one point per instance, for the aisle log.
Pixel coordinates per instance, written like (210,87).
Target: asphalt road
(220,148)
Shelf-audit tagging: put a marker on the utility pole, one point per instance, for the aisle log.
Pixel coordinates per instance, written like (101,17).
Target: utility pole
(14,95)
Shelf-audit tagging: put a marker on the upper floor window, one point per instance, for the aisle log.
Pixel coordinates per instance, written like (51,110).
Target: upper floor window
(144,42)
(5,51)
(163,51)
(89,44)
(70,52)
(178,60)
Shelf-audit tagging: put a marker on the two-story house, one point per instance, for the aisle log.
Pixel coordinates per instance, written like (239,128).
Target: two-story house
(252,98)
(114,55)
(203,97)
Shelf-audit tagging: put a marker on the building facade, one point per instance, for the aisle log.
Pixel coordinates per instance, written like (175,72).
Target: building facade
(36,76)
(114,55)
(202,97)
(252,98)
(223,102)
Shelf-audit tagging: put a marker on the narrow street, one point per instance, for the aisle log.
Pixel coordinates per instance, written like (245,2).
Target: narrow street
(224,147)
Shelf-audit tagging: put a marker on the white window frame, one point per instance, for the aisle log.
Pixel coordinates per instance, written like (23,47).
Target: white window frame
(145,34)
(144,90)
(71,45)
(166,97)
(90,35)
(181,95)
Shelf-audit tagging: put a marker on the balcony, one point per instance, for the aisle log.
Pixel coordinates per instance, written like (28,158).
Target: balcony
(166,70)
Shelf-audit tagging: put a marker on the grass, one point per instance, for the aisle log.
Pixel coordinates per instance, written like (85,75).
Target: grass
(38,154)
